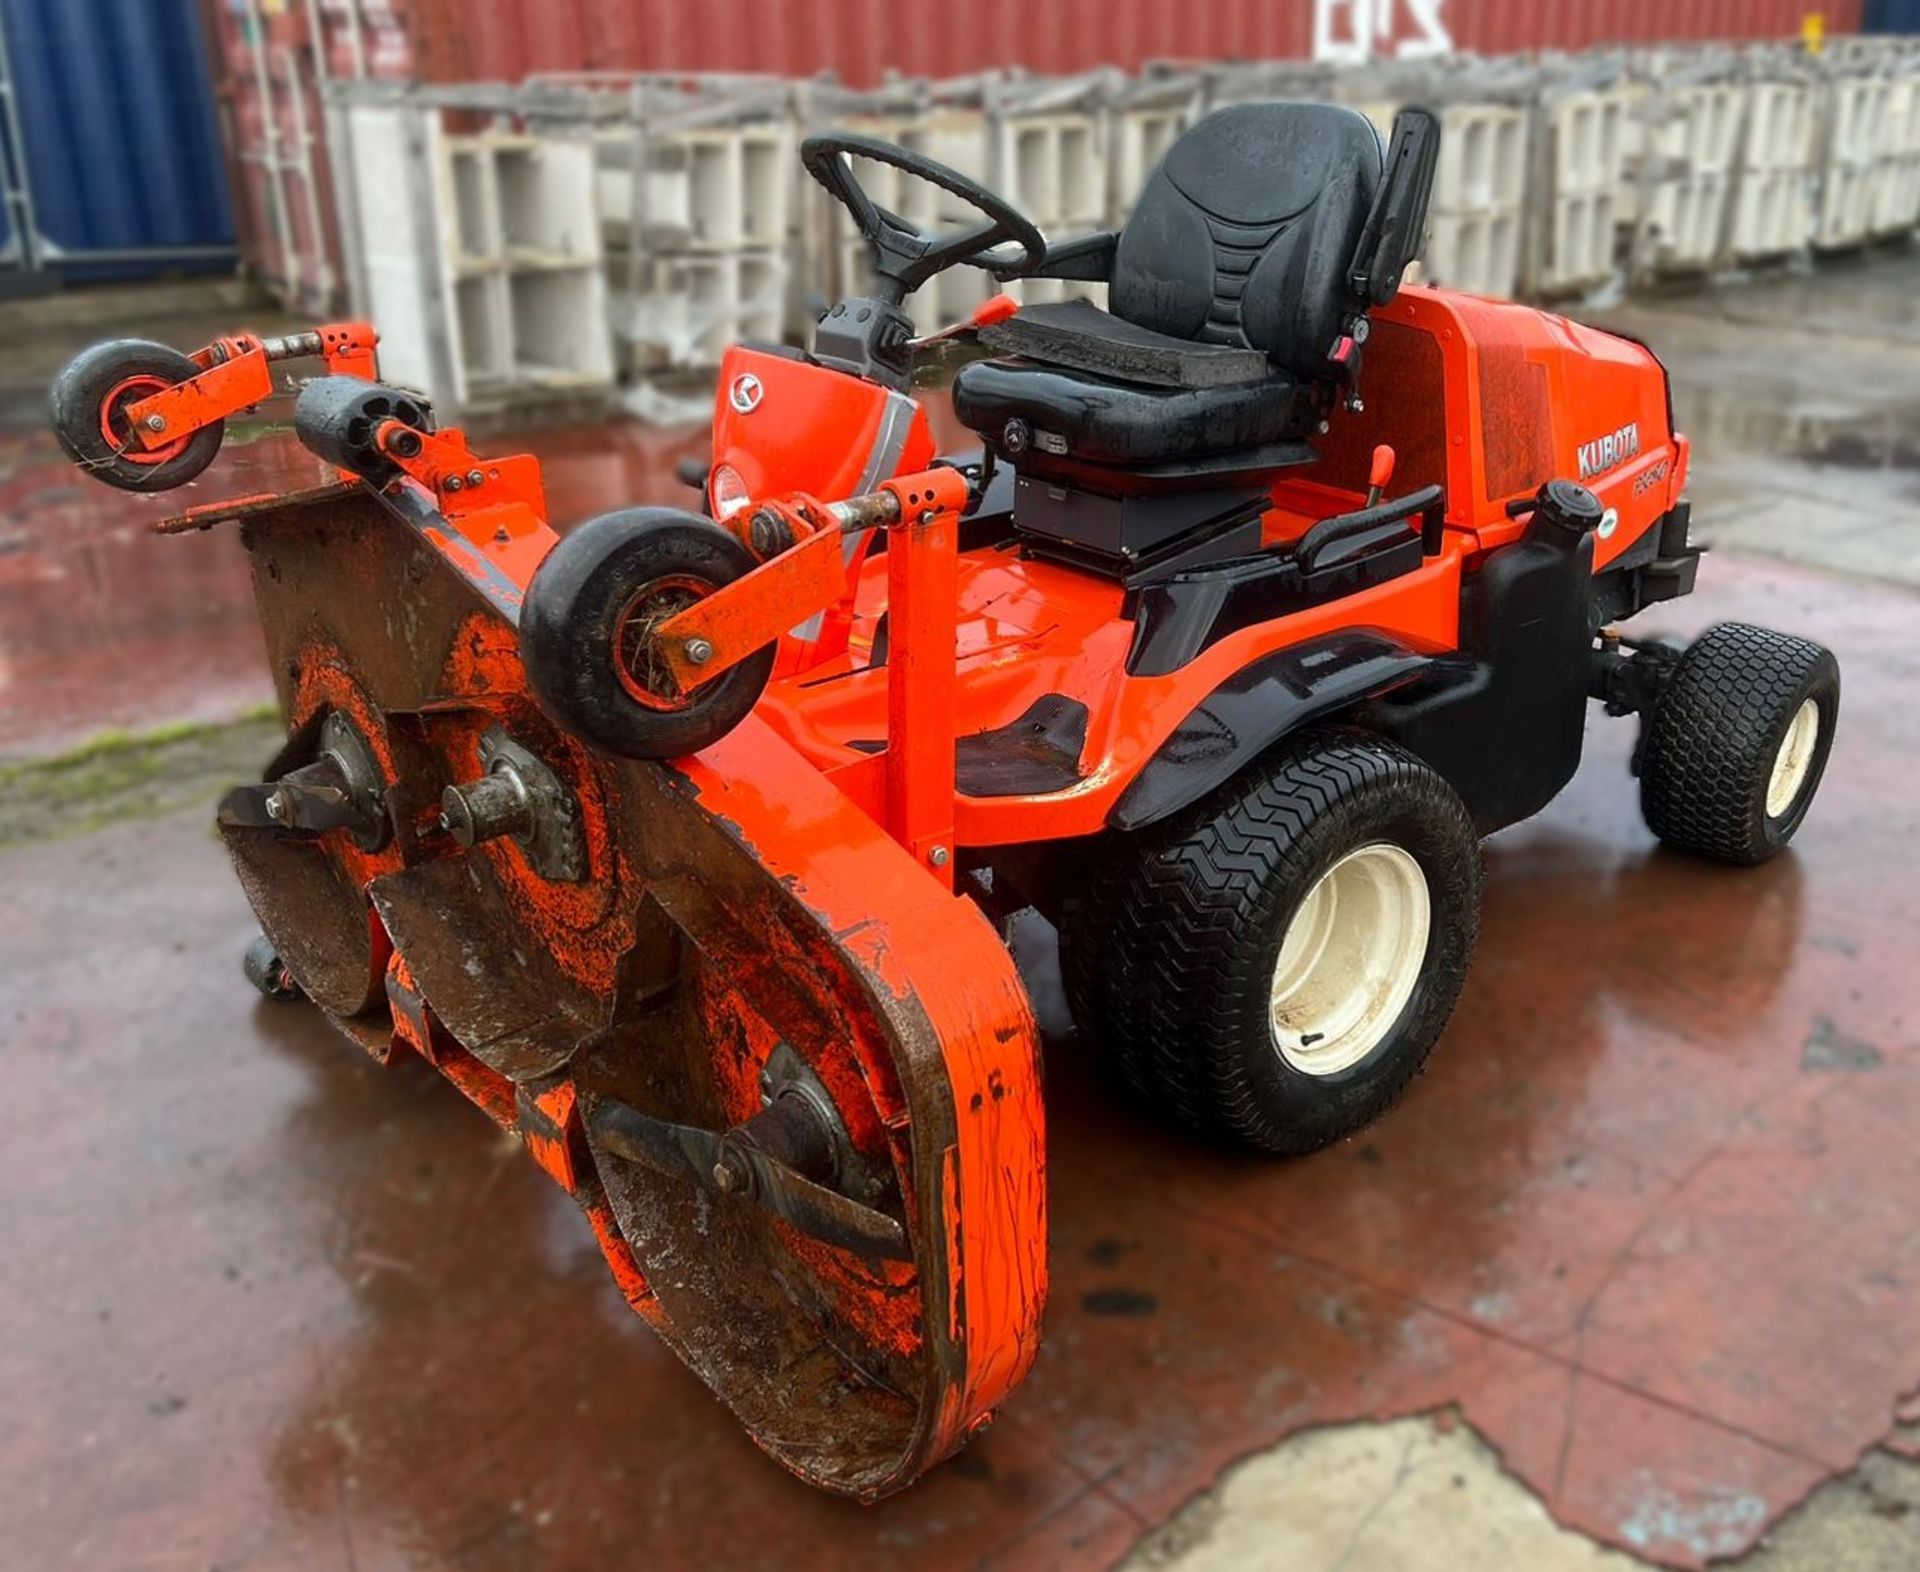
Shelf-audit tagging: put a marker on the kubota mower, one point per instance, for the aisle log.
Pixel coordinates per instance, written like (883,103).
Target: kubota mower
(678,843)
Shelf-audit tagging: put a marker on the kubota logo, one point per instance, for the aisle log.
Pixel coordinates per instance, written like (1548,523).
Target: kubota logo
(746,393)
(1616,447)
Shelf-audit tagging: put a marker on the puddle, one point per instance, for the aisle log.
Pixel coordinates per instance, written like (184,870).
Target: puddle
(105,625)
(1827,433)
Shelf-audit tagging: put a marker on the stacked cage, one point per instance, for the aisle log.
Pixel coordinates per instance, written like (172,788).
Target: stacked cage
(478,241)
(1852,118)
(1895,208)
(1688,126)
(1583,155)
(1047,155)
(551,237)
(695,188)
(1771,199)
(1144,118)
(1478,193)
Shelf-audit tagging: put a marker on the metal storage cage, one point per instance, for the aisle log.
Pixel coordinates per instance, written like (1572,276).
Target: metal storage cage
(475,228)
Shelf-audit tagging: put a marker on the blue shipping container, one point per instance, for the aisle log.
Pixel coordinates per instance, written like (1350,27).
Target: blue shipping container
(122,146)
(1891,16)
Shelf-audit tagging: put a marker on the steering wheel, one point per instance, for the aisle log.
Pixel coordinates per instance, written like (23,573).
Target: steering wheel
(904,258)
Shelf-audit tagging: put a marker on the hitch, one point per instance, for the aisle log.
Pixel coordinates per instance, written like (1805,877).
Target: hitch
(1629,675)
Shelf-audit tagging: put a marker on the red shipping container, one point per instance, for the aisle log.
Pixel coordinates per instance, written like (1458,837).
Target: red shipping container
(861,41)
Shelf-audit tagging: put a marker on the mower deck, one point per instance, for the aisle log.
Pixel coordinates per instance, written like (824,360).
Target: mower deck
(717,908)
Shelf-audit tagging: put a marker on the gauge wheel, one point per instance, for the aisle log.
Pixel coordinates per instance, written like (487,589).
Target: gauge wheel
(91,398)
(1274,964)
(1737,743)
(589,633)
(267,972)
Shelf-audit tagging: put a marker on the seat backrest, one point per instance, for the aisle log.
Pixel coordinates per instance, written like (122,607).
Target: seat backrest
(1245,232)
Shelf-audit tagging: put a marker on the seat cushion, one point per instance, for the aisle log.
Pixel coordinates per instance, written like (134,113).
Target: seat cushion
(1079,335)
(1073,414)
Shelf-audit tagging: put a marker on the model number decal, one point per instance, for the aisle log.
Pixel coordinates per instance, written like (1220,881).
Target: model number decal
(1603,453)
(1650,477)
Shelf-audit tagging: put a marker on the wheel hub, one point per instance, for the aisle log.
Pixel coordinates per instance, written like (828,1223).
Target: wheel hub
(117,428)
(1350,959)
(638,664)
(1795,758)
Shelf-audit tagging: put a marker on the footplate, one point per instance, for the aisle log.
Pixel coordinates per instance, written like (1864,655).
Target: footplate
(790,1078)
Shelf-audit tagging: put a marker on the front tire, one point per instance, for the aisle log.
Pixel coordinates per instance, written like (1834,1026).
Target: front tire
(587,643)
(1274,964)
(1737,743)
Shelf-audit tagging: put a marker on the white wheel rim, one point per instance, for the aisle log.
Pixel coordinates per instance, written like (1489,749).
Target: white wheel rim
(1350,959)
(1795,758)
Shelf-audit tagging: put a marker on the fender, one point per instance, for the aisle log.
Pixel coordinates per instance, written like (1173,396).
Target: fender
(1255,708)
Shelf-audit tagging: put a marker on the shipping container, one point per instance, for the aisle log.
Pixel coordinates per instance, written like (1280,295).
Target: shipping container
(114,164)
(1891,16)
(861,42)
(275,57)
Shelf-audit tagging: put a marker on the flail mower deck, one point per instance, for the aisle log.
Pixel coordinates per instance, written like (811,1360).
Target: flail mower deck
(673,844)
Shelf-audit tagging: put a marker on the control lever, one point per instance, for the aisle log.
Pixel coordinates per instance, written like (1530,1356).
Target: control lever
(1380,476)
(996,308)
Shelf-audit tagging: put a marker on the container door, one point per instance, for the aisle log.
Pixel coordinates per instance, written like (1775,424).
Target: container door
(114,108)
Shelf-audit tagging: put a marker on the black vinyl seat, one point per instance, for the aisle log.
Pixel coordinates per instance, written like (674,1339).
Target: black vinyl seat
(1079,335)
(1231,285)
(1084,419)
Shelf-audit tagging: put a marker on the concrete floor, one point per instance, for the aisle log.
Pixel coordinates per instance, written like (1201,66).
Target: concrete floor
(1631,1276)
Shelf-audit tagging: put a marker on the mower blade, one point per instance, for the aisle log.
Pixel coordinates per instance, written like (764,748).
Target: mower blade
(286,806)
(678,1149)
(825,1214)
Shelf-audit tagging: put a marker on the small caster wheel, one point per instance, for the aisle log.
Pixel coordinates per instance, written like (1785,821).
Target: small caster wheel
(267,972)
(587,633)
(90,403)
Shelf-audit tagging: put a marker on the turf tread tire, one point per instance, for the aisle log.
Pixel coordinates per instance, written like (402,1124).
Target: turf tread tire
(1713,736)
(1168,949)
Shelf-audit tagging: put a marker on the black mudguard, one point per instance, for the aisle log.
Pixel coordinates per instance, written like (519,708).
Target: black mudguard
(1258,706)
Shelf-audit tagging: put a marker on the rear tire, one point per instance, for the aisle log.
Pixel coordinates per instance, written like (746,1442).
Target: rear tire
(89,401)
(586,642)
(1274,964)
(1736,746)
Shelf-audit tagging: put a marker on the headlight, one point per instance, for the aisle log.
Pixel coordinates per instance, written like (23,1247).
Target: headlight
(727,491)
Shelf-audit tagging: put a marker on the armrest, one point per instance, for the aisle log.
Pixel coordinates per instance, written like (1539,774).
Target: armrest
(1088,258)
(1428,504)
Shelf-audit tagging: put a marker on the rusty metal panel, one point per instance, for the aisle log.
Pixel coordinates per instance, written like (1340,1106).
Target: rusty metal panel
(861,43)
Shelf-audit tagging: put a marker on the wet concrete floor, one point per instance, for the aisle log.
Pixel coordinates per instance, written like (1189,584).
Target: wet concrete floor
(1650,1224)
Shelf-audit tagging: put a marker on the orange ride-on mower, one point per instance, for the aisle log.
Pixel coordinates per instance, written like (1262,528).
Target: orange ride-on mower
(675,843)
